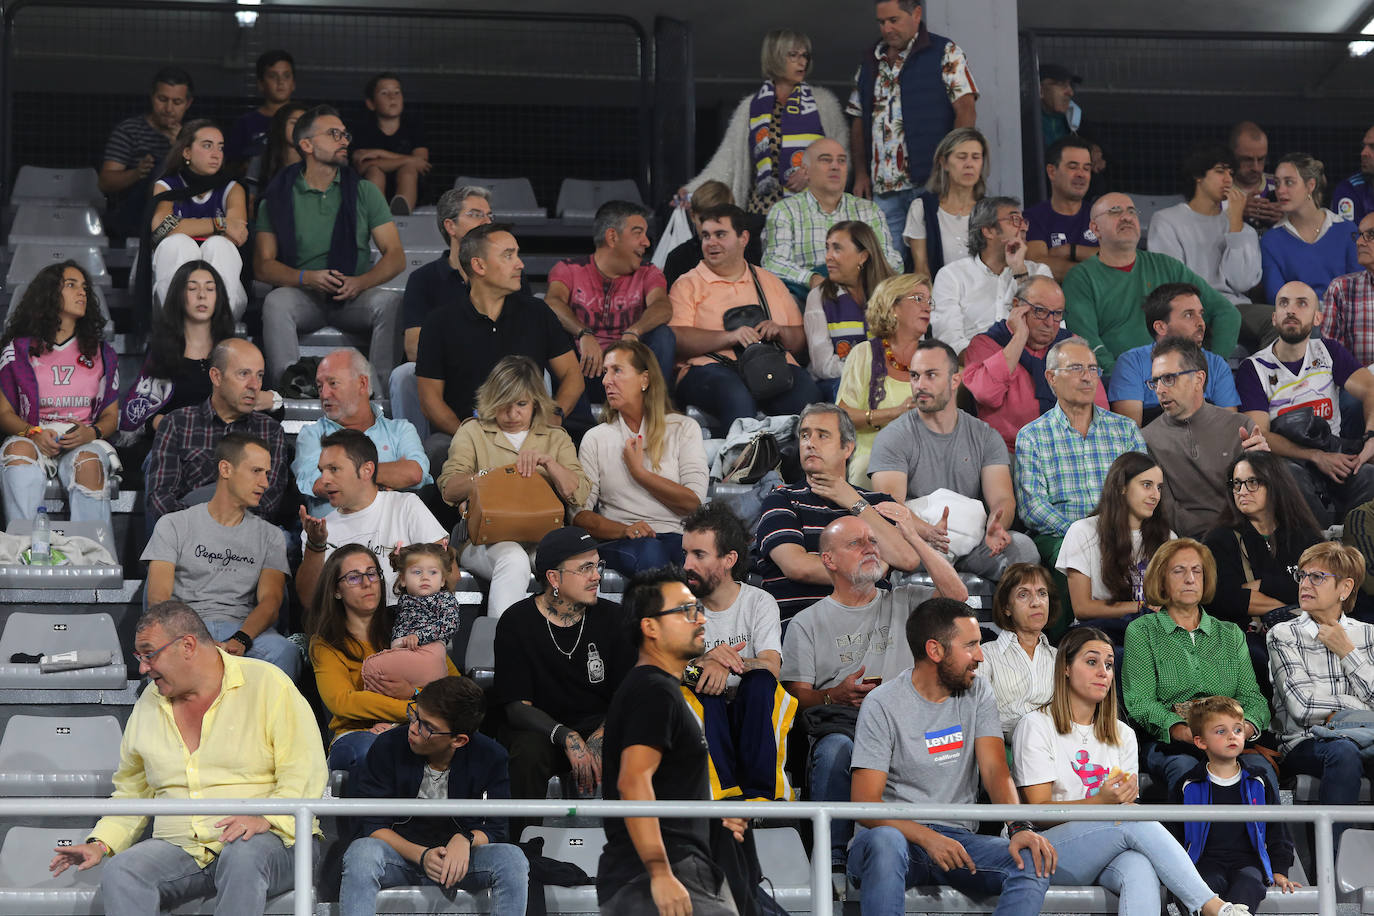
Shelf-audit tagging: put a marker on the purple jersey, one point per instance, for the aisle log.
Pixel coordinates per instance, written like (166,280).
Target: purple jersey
(1353,199)
(1055,229)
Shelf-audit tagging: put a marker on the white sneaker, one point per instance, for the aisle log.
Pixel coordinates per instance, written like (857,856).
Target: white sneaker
(1233,909)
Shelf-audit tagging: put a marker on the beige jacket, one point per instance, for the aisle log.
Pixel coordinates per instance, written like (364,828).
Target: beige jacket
(480,445)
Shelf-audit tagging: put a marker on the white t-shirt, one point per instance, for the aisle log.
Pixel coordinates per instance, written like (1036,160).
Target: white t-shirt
(1082,551)
(394,517)
(1076,765)
(516,439)
(953,229)
(753,619)
(434,784)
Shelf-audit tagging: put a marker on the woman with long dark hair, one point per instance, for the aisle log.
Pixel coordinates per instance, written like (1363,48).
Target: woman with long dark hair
(834,316)
(281,146)
(1104,555)
(59,396)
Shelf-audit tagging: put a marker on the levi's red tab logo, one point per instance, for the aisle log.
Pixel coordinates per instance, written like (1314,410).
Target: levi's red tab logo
(1320,408)
(948,739)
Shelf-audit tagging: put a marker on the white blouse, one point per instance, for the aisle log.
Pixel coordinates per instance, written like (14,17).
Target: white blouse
(615,494)
(1020,683)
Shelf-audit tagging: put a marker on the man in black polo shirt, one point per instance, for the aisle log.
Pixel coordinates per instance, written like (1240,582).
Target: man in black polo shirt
(459,346)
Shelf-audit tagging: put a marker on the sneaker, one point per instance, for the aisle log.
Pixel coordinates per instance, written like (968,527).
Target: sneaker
(399,206)
(1233,909)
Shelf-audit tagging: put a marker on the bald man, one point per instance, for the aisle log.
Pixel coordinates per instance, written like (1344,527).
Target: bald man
(181,470)
(794,236)
(1298,371)
(1104,294)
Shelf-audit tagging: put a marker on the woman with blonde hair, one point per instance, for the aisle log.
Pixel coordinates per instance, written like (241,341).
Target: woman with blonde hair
(646,463)
(834,316)
(511,427)
(937,224)
(875,388)
(1309,243)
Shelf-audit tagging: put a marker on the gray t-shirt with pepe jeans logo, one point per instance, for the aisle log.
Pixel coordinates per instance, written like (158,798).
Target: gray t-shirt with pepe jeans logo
(217,566)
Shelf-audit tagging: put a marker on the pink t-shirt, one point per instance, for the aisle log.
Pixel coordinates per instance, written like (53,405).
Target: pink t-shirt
(606,306)
(68,383)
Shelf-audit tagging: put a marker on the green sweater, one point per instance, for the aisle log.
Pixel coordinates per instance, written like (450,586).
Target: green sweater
(1104,305)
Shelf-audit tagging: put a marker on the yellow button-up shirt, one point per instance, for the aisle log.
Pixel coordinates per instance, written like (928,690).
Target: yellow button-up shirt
(258,740)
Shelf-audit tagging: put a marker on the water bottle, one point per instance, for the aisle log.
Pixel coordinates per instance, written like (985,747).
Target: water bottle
(40,547)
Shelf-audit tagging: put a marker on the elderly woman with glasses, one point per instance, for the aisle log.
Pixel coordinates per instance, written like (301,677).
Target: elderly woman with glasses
(347,622)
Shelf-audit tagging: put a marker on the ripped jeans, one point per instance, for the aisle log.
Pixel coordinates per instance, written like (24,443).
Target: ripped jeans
(24,477)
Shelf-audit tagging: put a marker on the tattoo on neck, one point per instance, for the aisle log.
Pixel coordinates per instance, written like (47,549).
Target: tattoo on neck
(563,611)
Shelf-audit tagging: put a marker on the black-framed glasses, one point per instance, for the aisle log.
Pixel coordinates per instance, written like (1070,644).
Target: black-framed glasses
(587,570)
(426,730)
(1040,312)
(146,658)
(337,134)
(1080,369)
(1249,484)
(692,611)
(1367,235)
(1167,379)
(1315,576)
(355,578)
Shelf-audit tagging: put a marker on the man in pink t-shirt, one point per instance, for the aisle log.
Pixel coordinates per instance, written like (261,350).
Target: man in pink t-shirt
(613,294)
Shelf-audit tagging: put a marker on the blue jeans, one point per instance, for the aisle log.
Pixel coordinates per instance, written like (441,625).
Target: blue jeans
(894,207)
(24,480)
(1130,859)
(884,864)
(405,398)
(1337,764)
(719,391)
(155,874)
(268,646)
(348,752)
(628,556)
(1172,768)
(371,865)
(829,781)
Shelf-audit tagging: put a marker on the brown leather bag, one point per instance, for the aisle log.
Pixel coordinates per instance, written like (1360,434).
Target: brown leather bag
(503,506)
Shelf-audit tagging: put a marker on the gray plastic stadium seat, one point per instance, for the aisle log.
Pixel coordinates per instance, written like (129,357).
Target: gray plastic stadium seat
(42,224)
(59,756)
(30,259)
(413,263)
(1355,868)
(1305,790)
(15,575)
(1302,900)
(25,885)
(46,634)
(1149,205)
(511,198)
(480,661)
(580,846)
(579,198)
(431,899)
(1091,901)
(419,233)
(786,867)
(75,187)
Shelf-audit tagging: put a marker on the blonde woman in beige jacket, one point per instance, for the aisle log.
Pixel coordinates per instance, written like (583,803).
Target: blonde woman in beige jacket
(511,427)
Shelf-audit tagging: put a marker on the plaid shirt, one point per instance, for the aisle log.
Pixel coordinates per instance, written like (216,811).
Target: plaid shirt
(1059,473)
(1312,680)
(795,234)
(1348,314)
(183,456)
(1166,664)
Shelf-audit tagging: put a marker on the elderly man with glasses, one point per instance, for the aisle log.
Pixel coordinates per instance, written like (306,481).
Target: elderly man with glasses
(1193,441)
(1105,291)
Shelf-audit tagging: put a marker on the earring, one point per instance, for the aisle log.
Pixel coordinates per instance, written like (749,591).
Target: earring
(555,591)
(645,388)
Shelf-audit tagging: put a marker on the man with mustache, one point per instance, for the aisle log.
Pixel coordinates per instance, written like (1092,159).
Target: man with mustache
(1298,371)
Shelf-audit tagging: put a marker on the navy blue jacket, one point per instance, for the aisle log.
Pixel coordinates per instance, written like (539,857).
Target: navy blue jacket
(479,769)
(1271,842)
(927,113)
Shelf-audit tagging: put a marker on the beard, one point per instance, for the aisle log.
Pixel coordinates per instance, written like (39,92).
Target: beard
(1295,336)
(702,586)
(953,679)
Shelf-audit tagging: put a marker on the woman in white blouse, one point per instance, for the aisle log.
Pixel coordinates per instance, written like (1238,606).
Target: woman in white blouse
(1019,663)
(646,463)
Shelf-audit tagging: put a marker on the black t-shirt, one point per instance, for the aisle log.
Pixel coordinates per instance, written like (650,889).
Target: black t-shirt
(1228,844)
(649,709)
(434,284)
(576,691)
(460,345)
(190,386)
(409,136)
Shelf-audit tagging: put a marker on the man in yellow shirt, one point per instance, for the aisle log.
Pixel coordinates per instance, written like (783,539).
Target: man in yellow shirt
(211,725)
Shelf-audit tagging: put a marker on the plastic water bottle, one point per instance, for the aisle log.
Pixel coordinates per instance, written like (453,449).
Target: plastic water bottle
(40,547)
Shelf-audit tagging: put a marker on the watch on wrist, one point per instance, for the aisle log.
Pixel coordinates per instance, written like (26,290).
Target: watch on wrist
(859,507)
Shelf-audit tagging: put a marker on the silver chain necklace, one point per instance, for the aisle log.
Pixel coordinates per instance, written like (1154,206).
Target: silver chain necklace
(569,654)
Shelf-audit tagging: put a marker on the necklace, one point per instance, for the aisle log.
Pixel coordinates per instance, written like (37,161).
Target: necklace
(892,357)
(569,653)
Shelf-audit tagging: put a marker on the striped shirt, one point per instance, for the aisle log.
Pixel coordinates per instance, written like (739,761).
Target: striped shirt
(132,139)
(795,515)
(1020,683)
(1059,472)
(1315,682)
(794,236)
(1165,665)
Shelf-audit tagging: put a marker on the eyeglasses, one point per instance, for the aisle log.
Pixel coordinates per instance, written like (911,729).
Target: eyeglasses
(587,570)
(1040,312)
(338,135)
(1249,484)
(485,216)
(918,298)
(355,579)
(692,611)
(425,729)
(1080,369)
(1316,577)
(798,55)
(146,658)
(1016,219)
(1167,380)
(1367,235)
(1115,212)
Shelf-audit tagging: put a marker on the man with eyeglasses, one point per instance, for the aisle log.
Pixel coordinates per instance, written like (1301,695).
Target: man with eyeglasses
(264,743)
(1004,367)
(560,654)
(317,222)
(1193,441)
(440,754)
(1058,234)
(838,649)
(1062,458)
(1348,304)
(1304,377)
(1105,291)
(974,292)
(1171,310)
(656,751)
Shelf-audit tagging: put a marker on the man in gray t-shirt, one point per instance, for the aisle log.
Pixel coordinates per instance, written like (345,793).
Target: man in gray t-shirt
(926,737)
(224,561)
(938,446)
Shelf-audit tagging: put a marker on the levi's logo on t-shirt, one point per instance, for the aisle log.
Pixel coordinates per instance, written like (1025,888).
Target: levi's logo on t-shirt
(945,740)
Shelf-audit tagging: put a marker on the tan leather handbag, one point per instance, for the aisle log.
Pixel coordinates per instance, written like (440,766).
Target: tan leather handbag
(503,506)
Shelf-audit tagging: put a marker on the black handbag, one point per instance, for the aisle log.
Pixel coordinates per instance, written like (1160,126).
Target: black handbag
(762,365)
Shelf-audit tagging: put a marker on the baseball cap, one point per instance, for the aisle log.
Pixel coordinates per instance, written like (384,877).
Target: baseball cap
(1059,73)
(558,545)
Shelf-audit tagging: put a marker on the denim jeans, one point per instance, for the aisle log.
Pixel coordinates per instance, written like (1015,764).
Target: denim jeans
(1172,768)
(371,865)
(404,392)
(829,781)
(884,864)
(719,391)
(628,556)
(268,646)
(894,206)
(154,874)
(1337,764)
(24,479)
(1130,859)
(348,752)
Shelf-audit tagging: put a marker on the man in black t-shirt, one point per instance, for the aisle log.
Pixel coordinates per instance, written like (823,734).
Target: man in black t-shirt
(655,749)
(560,655)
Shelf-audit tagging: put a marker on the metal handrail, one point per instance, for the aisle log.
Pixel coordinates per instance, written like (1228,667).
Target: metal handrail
(820,814)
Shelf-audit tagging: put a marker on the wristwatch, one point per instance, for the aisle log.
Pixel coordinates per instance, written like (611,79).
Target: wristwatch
(859,507)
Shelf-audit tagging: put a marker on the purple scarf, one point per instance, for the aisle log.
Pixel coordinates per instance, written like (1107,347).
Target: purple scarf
(801,126)
(19,385)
